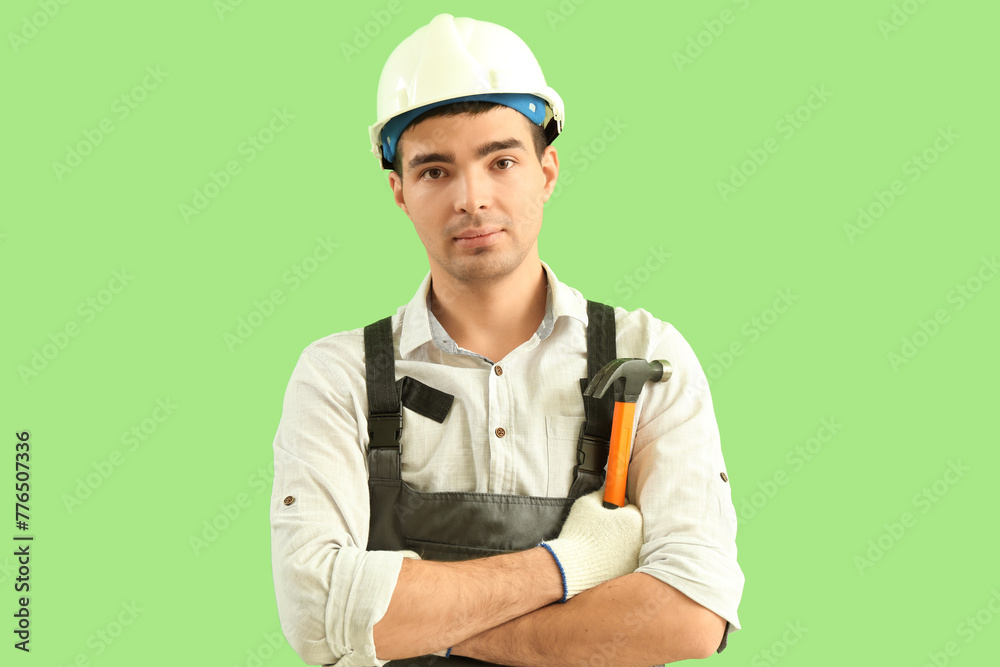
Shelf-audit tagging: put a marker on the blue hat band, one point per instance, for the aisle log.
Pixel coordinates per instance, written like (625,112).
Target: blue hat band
(532,106)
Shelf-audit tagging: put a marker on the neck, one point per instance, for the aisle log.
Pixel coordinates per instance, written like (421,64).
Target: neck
(494,317)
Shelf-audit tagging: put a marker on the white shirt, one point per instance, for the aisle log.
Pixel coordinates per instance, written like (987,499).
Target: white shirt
(331,592)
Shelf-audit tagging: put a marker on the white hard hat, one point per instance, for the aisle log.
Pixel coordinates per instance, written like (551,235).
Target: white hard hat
(452,59)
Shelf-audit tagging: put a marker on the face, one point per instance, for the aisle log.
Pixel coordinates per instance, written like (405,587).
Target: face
(474,190)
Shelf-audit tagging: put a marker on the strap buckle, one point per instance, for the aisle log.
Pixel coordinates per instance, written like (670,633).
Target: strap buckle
(592,452)
(385,430)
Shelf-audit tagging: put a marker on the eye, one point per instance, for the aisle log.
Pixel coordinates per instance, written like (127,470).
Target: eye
(433,174)
(505,159)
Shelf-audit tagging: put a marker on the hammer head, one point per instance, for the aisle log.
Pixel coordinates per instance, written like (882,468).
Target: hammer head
(635,372)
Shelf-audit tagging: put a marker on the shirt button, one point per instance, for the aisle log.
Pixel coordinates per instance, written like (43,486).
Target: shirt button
(500,432)
(498,370)
(289,500)
(724,478)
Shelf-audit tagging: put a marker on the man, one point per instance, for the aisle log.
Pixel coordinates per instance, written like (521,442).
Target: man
(442,528)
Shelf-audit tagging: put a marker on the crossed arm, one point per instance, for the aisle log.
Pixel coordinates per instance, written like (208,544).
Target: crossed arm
(499,609)
(330,592)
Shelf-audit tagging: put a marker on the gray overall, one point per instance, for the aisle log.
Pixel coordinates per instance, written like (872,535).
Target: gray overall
(454,526)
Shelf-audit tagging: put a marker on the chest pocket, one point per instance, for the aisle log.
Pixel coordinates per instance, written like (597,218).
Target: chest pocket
(562,434)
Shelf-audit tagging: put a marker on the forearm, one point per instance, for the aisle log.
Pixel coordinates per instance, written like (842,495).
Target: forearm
(632,620)
(436,605)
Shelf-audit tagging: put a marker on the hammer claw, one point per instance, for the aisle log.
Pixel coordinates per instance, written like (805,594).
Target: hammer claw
(605,377)
(635,371)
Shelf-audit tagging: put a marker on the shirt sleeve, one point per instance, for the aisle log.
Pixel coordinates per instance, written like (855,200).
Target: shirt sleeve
(330,591)
(678,479)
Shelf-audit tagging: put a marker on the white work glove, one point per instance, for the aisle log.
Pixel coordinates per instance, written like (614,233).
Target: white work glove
(596,544)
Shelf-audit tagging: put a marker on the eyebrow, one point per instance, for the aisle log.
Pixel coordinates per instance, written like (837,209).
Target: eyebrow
(481,152)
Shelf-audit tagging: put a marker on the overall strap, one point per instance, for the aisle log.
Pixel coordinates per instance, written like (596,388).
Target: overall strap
(386,398)
(595,434)
(385,410)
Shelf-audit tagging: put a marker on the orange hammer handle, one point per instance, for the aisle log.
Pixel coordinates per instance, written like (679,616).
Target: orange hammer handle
(621,440)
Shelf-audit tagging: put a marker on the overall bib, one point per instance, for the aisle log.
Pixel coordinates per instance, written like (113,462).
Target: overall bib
(453,526)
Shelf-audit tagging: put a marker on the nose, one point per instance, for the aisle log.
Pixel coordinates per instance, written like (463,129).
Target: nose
(473,192)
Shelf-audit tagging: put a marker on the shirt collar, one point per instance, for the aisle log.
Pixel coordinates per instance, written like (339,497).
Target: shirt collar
(561,301)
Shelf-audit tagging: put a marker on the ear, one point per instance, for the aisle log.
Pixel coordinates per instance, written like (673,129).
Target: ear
(550,171)
(396,183)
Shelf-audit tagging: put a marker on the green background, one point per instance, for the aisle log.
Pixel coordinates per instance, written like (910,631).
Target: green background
(650,184)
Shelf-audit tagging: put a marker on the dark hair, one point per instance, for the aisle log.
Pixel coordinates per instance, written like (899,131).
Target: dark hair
(473,108)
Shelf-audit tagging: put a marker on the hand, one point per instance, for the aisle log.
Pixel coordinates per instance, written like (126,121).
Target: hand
(596,544)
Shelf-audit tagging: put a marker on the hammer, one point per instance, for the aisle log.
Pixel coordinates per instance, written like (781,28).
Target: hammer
(636,372)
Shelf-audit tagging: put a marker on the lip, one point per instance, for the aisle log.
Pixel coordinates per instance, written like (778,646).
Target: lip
(478,238)
(471,233)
